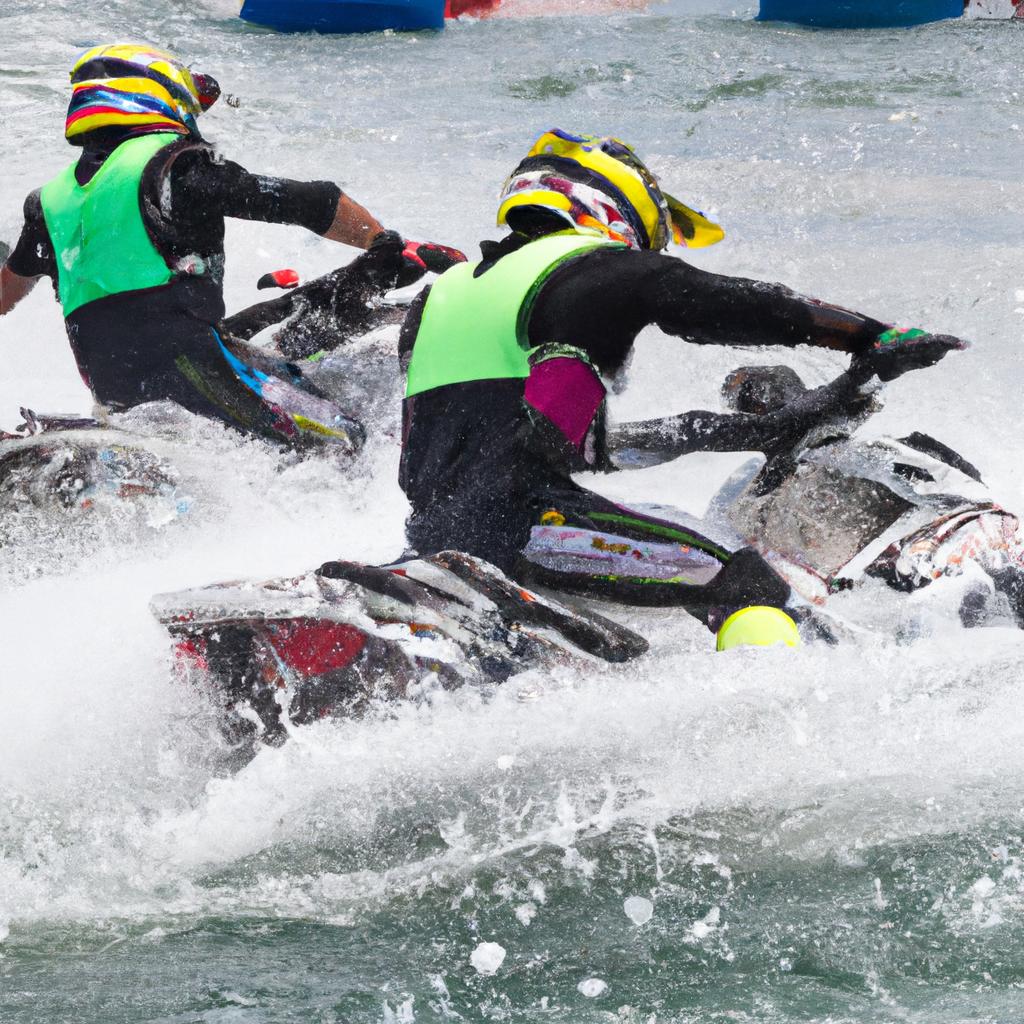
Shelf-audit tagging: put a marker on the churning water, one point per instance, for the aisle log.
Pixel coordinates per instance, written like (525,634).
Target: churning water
(827,835)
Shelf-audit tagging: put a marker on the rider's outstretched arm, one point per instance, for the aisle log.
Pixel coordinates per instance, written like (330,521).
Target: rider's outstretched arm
(205,186)
(601,301)
(652,442)
(716,309)
(13,288)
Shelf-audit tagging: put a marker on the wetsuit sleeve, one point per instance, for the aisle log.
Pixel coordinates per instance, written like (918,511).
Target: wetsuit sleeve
(33,254)
(602,300)
(736,311)
(203,186)
(651,442)
(407,336)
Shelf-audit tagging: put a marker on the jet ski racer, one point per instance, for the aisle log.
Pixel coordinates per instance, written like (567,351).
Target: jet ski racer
(132,237)
(506,360)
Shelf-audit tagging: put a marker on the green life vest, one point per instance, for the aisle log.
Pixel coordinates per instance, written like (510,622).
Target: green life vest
(99,237)
(476,328)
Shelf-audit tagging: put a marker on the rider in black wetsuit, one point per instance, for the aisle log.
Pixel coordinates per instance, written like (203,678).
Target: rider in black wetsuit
(490,443)
(132,237)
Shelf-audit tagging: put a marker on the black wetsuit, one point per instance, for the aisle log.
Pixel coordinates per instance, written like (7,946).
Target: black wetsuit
(161,343)
(480,470)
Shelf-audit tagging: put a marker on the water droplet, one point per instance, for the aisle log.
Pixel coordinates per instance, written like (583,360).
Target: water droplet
(487,957)
(638,909)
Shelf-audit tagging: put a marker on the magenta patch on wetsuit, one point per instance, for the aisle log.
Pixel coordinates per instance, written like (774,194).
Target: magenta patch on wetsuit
(568,393)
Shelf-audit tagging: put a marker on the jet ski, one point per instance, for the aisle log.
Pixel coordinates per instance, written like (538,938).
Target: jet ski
(830,511)
(77,463)
(274,655)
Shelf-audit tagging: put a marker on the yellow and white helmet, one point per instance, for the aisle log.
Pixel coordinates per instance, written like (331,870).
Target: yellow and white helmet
(598,185)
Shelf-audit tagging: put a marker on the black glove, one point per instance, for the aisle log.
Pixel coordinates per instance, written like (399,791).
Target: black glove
(390,262)
(432,256)
(897,351)
(409,261)
(347,290)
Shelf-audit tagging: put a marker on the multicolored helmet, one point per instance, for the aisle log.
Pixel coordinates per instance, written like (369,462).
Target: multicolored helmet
(137,88)
(598,185)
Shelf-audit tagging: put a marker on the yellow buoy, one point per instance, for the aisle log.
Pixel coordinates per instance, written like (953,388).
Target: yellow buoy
(758,626)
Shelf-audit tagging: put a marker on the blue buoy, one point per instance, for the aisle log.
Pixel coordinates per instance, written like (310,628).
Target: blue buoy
(860,13)
(345,15)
